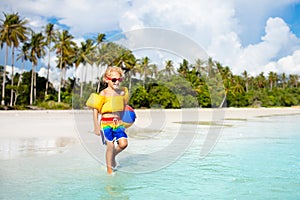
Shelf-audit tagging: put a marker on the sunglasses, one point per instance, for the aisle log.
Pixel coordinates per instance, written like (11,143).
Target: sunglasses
(115,79)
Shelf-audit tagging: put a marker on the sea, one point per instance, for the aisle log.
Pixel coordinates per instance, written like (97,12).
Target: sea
(257,159)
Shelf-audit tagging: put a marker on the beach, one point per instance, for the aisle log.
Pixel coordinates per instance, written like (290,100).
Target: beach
(46,132)
(231,153)
(55,124)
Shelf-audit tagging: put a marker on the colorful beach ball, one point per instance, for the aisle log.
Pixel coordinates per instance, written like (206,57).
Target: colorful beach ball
(128,116)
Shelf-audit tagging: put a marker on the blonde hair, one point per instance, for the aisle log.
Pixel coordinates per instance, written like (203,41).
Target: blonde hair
(109,70)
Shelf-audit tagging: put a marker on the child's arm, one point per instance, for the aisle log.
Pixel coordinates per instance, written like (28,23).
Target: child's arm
(96,122)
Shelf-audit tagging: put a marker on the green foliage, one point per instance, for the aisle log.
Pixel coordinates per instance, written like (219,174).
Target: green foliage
(162,97)
(54,105)
(140,98)
(205,83)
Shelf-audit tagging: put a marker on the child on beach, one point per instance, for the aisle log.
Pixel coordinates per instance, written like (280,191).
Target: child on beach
(110,103)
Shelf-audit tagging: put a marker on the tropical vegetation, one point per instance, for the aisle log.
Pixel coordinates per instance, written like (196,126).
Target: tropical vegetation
(203,83)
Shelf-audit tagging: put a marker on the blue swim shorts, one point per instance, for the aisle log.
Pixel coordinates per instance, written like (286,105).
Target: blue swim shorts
(113,129)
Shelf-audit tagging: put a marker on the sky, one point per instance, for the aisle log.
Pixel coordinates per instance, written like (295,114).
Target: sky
(256,36)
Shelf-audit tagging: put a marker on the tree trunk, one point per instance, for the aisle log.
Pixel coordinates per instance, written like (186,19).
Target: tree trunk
(98,84)
(92,75)
(4,77)
(48,71)
(59,89)
(12,76)
(31,85)
(129,86)
(144,79)
(60,68)
(19,82)
(99,75)
(34,86)
(223,103)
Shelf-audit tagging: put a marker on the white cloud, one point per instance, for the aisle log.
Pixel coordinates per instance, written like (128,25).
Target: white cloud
(9,70)
(215,26)
(278,41)
(289,64)
(231,31)
(198,20)
(82,16)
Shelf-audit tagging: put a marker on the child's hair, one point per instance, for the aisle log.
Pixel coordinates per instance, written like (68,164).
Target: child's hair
(113,69)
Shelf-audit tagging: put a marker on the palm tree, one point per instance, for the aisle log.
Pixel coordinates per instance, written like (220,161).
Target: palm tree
(144,68)
(169,68)
(36,51)
(23,55)
(127,63)
(184,68)
(283,80)
(199,66)
(65,48)
(153,70)
(237,87)
(294,78)
(84,56)
(210,67)
(261,80)
(271,79)
(227,80)
(50,37)
(246,79)
(12,32)
(99,40)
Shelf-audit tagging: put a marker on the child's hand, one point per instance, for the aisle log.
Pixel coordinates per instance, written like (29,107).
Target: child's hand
(97,130)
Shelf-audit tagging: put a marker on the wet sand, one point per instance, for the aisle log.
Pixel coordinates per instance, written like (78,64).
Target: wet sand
(48,131)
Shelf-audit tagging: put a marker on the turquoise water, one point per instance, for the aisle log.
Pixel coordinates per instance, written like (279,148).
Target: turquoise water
(254,159)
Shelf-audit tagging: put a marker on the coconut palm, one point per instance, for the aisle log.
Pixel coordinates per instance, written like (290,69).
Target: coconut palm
(144,68)
(169,68)
(65,47)
(99,40)
(237,86)
(210,67)
(261,80)
(283,80)
(50,37)
(199,66)
(12,32)
(127,62)
(153,71)
(271,79)
(246,79)
(226,75)
(293,80)
(36,51)
(184,68)
(84,56)
(23,55)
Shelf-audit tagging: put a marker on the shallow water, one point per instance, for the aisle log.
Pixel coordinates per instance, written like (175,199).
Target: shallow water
(254,159)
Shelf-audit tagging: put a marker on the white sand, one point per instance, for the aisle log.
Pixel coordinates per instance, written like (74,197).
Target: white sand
(47,132)
(64,124)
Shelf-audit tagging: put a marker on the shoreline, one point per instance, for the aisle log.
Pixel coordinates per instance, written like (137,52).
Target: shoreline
(62,123)
(47,132)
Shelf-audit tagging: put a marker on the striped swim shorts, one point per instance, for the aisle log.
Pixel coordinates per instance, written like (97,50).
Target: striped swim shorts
(113,129)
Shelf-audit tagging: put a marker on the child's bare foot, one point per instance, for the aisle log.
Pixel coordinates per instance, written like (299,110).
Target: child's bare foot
(110,170)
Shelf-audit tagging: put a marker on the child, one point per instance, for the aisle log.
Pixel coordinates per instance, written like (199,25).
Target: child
(109,103)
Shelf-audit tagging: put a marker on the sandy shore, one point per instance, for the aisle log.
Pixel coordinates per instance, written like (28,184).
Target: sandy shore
(64,124)
(47,132)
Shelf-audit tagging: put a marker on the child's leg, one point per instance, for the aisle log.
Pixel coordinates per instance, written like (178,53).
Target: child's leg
(109,156)
(122,144)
